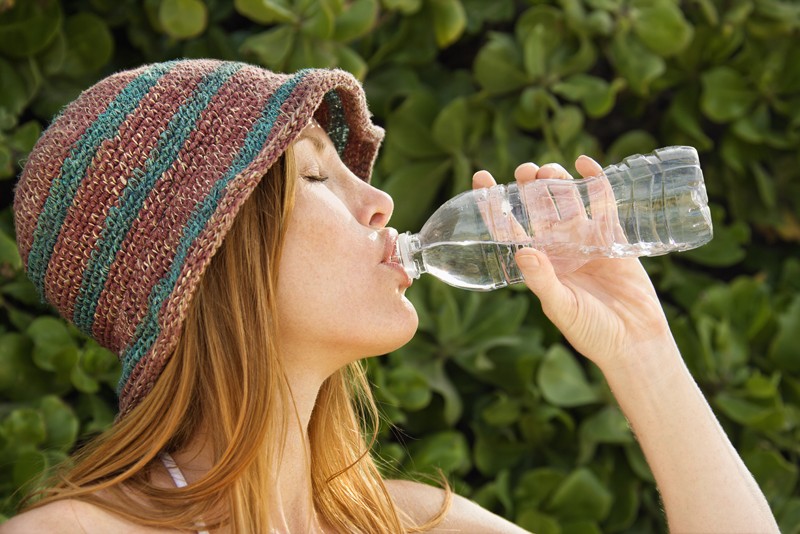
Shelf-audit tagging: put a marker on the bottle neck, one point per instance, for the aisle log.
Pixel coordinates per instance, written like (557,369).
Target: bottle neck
(407,252)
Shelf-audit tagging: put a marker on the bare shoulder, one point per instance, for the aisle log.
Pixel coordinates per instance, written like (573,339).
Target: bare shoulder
(421,502)
(68,517)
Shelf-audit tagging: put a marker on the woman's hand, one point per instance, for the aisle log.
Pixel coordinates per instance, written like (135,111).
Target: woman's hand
(607,308)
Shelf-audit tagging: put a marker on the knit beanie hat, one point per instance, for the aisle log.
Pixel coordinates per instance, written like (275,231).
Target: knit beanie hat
(130,191)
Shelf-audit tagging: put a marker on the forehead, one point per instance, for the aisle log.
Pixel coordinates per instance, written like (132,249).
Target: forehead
(316,135)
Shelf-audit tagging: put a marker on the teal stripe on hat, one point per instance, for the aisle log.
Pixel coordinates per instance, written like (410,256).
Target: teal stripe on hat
(65,185)
(121,217)
(148,330)
(338,130)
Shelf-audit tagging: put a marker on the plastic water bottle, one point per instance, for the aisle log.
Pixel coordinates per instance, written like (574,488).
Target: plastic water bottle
(645,206)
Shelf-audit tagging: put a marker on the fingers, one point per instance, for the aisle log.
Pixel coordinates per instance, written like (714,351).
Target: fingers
(540,277)
(586,166)
(553,170)
(526,172)
(482,179)
(498,219)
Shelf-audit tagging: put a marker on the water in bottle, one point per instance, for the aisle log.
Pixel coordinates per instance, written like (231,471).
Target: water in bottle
(646,205)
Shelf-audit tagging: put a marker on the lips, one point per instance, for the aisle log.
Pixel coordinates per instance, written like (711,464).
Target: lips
(390,237)
(389,258)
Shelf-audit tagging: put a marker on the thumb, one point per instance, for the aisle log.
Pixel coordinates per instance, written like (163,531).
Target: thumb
(540,277)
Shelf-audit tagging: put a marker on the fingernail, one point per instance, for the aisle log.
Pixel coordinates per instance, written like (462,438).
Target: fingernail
(531,261)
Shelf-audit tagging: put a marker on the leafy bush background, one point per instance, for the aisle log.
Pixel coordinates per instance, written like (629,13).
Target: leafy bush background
(488,390)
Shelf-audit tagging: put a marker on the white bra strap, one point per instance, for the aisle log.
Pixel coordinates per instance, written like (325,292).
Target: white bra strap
(173,469)
(176,474)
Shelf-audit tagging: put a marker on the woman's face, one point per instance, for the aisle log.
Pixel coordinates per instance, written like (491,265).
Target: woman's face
(338,294)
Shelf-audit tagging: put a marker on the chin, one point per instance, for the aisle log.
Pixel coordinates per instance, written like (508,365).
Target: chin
(395,335)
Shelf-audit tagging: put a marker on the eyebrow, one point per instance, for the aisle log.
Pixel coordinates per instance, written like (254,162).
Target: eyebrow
(319,145)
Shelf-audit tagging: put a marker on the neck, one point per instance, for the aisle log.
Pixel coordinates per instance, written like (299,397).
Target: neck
(292,506)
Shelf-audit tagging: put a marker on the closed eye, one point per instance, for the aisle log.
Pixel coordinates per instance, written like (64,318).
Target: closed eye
(315,178)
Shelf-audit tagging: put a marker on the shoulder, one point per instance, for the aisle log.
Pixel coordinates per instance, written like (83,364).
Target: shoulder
(421,502)
(69,517)
(60,516)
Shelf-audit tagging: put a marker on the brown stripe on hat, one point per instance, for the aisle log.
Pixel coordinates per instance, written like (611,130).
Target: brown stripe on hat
(149,248)
(114,164)
(45,160)
(295,113)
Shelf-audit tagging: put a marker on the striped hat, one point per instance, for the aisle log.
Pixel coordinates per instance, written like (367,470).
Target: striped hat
(131,190)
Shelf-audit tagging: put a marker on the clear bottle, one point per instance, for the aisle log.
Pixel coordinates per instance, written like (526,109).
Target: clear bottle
(645,206)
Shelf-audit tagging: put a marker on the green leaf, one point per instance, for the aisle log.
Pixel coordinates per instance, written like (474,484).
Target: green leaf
(270,48)
(638,463)
(29,466)
(61,425)
(682,114)
(726,94)
(752,413)
(310,52)
(440,383)
(634,62)
(625,507)
(630,143)
(13,93)
(449,21)
(494,453)
(562,380)
(20,379)
(82,381)
(406,7)
(51,59)
(503,411)
(28,27)
(447,313)
(481,12)
(788,516)
(533,107)
(89,44)
(183,19)
(266,11)
(318,21)
(358,18)
(447,451)
(54,348)
(25,136)
(535,48)
(409,387)
(661,26)
(539,522)
(498,66)
(349,60)
(409,127)
(580,527)
(595,94)
(9,254)
(413,188)
(783,351)
(25,427)
(775,475)
(6,163)
(725,249)
(99,362)
(450,125)
(567,123)
(581,496)
(606,426)
(536,486)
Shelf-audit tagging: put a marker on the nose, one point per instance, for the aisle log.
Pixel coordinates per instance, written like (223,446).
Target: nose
(374,207)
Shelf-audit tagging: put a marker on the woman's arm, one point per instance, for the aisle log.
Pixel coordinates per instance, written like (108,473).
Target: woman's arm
(609,311)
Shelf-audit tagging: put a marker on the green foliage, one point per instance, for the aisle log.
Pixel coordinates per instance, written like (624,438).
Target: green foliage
(487,391)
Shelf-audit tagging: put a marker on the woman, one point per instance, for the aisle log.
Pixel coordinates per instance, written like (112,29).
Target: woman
(241,398)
